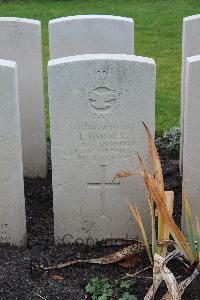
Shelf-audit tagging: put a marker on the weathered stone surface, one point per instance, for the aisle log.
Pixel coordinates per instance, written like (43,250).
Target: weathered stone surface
(12,206)
(91,34)
(190,47)
(97,105)
(191,149)
(20,41)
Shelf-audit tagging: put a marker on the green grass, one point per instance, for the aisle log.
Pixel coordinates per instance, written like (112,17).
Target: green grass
(158,31)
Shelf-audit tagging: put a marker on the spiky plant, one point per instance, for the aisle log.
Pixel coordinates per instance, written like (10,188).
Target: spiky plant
(159,241)
(163,200)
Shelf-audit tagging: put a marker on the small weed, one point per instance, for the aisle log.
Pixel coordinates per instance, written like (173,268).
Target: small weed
(128,296)
(99,289)
(125,284)
(102,289)
(170,141)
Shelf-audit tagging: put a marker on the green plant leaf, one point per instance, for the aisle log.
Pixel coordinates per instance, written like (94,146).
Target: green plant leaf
(99,289)
(138,219)
(125,284)
(128,296)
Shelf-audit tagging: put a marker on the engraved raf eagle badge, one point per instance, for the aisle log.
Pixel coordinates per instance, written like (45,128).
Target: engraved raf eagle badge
(103,99)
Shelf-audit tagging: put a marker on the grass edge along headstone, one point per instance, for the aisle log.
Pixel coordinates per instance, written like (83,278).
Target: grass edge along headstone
(12,203)
(191,146)
(20,41)
(90,34)
(97,105)
(190,47)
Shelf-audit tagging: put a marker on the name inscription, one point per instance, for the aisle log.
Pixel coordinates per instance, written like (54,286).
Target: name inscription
(98,142)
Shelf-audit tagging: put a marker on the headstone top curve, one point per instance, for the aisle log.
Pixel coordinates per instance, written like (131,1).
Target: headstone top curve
(21,20)
(193,58)
(89,57)
(190,18)
(8,63)
(81,17)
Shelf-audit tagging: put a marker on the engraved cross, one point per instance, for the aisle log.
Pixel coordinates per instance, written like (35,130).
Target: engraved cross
(102,186)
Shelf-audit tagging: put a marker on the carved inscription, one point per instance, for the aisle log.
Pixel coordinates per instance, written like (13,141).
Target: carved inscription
(103,99)
(102,186)
(95,142)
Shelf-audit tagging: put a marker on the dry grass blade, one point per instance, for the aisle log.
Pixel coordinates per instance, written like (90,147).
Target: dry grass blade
(153,226)
(172,255)
(153,288)
(160,273)
(158,175)
(166,233)
(136,273)
(198,239)
(124,174)
(156,194)
(183,285)
(155,159)
(171,283)
(138,219)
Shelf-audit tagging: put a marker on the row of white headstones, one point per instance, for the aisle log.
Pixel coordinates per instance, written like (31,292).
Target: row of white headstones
(99,94)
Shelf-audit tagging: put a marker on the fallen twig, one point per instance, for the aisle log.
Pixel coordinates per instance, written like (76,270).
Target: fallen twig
(40,296)
(136,273)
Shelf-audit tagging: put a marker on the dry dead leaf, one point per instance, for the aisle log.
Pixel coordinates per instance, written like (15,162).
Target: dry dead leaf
(130,261)
(115,257)
(160,273)
(57,277)
(183,285)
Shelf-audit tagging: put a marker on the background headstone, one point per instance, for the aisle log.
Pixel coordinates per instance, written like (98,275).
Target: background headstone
(190,47)
(91,34)
(20,41)
(12,205)
(191,146)
(97,105)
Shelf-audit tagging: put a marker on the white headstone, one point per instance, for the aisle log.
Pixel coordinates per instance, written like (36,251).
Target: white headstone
(190,47)
(20,41)
(191,149)
(90,34)
(12,205)
(97,105)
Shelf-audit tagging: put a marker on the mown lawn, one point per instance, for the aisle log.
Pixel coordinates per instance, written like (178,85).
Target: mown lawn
(158,30)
